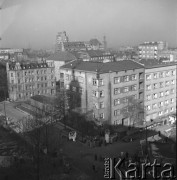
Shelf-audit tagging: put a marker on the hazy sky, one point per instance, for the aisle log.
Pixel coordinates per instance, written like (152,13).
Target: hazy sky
(35,23)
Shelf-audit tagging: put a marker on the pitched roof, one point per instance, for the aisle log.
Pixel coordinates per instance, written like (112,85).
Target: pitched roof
(94,42)
(103,67)
(62,56)
(98,53)
(44,99)
(154,63)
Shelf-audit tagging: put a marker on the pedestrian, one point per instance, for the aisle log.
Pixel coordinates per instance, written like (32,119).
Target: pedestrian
(159,133)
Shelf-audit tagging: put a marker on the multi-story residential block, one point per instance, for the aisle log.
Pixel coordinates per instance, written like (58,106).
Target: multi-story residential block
(149,50)
(29,79)
(105,88)
(167,55)
(160,92)
(59,59)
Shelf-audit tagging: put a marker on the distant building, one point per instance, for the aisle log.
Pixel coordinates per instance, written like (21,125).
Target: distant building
(105,88)
(168,55)
(150,50)
(59,59)
(159,91)
(96,55)
(10,50)
(60,39)
(29,79)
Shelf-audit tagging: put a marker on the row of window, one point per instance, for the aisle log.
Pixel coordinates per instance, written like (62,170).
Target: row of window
(124,100)
(52,91)
(125,89)
(164,112)
(160,104)
(160,85)
(161,94)
(160,74)
(126,78)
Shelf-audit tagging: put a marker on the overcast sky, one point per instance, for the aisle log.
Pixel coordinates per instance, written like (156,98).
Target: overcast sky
(35,23)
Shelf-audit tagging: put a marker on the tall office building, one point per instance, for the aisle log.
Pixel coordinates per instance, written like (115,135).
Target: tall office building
(60,39)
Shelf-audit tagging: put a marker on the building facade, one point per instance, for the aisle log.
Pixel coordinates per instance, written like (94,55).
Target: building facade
(160,92)
(105,88)
(149,50)
(26,80)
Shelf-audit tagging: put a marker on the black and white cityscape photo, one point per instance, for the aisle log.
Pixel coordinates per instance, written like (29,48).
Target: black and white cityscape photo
(88,89)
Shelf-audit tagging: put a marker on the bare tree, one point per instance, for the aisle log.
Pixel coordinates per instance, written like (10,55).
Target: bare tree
(134,111)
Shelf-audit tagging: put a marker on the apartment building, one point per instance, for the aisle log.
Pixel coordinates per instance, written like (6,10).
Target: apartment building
(29,79)
(150,50)
(105,88)
(59,59)
(160,91)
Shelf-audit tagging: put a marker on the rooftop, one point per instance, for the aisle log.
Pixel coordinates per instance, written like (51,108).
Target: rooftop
(62,56)
(32,65)
(149,44)
(153,63)
(98,53)
(94,42)
(44,99)
(103,67)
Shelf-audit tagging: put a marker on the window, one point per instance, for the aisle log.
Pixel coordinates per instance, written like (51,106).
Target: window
(116,80)
(173,82)
(125,89)
(161,84)
(12,81)
(61,75)
(95,105)
(160,113)
(134,97)
(102,116)
(148,87)
(81,90)
(166,111)
(95,93)
(126,78)
(161,74)
(101,93)
(100,82)
(95,82)
(154,106)
(133,77)
(155,96)
(67,76)
(166,102)
(134,88)
(172,91)
(167,73)
(172,100)
(161,94)
(117,112)
(148,108)
(116,91)
(155,86)
(173,72)
(12,74)
(116,102)
(155,75)
(167,93)
(161,104)
(171,109)
(167,83)
(125,100)
(148,97)
(101,105)
(148,77)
